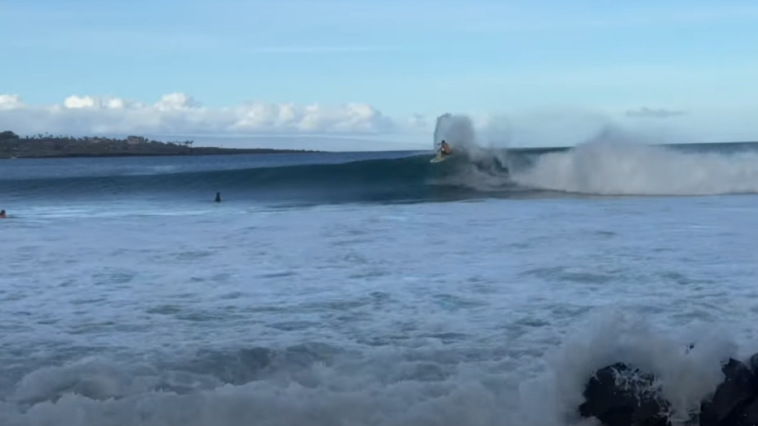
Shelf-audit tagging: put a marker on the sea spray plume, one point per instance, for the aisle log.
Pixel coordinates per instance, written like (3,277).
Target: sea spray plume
(556,127)
(490,136)
(546,127)
(483,168)
(496,132)
(459,131)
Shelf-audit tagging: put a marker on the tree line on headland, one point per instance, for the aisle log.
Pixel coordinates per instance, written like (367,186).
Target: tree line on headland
(45,145)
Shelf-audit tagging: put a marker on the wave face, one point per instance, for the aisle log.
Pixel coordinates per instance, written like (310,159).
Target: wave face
(590,169)
(328,178)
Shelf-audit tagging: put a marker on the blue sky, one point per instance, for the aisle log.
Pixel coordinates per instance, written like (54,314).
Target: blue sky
(400,57)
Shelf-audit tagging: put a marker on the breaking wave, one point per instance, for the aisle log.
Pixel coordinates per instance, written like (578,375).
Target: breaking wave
(318,384)
(604,166)
(387,179)
(612,162)
(635,169)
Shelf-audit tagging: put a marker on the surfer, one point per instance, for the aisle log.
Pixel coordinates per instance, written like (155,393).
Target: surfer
(2,214)
(442,153)
(445,149)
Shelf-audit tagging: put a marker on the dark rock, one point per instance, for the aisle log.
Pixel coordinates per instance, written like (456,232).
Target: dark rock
(747,416)
(619,395)
(754,364)
(732,396)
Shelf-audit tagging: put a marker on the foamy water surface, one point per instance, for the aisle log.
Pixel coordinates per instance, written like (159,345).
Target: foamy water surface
(474,313)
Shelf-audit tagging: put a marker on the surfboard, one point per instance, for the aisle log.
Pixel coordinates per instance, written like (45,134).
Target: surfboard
(438,158)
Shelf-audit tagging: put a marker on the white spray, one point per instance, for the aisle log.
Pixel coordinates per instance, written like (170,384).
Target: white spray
(636,169)
(611,162)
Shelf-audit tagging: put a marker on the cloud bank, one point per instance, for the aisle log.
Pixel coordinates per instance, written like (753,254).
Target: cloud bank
(179,113)
(653,113)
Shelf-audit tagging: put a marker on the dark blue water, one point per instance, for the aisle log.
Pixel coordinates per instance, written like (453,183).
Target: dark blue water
(325,177)
(279,178)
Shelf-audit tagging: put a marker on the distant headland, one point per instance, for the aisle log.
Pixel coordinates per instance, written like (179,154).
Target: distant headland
(51,146)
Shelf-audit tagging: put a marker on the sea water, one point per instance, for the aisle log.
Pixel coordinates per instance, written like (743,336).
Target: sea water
(368,289)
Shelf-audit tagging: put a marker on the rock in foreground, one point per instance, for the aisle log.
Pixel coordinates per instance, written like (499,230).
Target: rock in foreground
(622,395)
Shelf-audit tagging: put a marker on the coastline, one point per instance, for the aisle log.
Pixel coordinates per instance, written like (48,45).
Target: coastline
(189,153)
(43,146)
(46,146)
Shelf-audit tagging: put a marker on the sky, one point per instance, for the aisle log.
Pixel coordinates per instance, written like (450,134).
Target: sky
(542,72)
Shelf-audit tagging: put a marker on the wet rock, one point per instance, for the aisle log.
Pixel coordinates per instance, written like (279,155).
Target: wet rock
(746,416)
(732,396)
(620,395)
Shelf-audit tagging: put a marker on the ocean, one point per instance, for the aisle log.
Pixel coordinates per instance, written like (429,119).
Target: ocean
(369,289)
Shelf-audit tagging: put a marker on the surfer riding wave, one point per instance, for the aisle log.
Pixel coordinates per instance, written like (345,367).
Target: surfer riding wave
(445,149)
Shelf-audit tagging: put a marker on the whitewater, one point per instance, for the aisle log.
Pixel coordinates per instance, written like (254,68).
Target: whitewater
(370,289)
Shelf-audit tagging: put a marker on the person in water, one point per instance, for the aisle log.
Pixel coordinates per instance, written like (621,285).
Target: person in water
(445,149)
(2,214)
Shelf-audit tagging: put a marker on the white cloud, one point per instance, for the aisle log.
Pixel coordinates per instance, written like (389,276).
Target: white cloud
(179,113)
(661,113)
(9,102)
